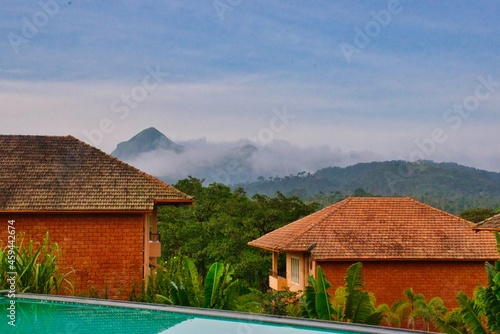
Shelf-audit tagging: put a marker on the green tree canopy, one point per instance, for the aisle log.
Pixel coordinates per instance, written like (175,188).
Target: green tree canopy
(477,215)
(219,225)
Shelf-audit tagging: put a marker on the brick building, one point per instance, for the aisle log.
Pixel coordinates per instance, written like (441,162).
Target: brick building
(401,242)
(100,210)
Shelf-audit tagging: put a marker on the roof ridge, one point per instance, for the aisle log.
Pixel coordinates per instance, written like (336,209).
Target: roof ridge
(135,169)
(487,220)
(65,173)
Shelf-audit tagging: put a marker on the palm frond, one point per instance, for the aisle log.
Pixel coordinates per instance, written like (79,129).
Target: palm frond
(471,314)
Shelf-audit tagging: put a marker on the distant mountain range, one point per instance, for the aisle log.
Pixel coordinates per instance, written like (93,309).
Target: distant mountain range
(448,186)
(290,170)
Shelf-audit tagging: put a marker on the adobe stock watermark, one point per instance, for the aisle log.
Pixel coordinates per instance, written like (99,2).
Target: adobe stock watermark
(11,272)
(277,123)
(123,105)
(223,6)
(31,25)
(453,118)
(363,37)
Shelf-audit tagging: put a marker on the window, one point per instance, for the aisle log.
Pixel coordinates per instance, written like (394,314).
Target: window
(295,270)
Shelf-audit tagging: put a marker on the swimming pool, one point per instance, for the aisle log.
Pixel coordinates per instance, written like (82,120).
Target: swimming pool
(54,314)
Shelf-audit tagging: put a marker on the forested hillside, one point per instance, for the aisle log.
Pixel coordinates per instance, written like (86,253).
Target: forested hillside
(447,186)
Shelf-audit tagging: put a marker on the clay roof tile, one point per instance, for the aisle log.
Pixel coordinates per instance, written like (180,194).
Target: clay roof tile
(382,228)
(56,173)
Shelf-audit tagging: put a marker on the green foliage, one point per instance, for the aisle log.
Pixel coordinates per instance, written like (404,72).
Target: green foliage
(360,192)
(389,318)
(492,294)
(316,301)
(414,306)
(178,283)
(451,322)
(316,297)
(36,267)
(472,314)
(447,186)
(480,314)
(221,290)
(477,215)
(357,306)
(221,223)
(281,302)
(251,302)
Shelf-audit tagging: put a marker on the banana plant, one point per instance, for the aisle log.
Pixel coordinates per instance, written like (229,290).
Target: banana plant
(221,289)
(471,314)
(218,290)
(316,301)
(359,308)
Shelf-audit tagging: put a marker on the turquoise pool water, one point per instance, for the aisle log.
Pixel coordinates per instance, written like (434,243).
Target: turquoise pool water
(63,315)
(35,316)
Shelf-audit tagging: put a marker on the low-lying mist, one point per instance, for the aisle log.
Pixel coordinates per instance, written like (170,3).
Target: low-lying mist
(242,161)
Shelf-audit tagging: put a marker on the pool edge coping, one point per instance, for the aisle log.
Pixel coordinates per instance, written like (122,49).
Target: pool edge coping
(251,317)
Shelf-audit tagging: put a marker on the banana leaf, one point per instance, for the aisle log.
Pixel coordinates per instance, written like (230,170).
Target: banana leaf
(471,314)
(212,282)
(193,280)
(323,303)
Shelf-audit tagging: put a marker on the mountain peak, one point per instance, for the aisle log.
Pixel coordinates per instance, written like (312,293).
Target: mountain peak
(147,140)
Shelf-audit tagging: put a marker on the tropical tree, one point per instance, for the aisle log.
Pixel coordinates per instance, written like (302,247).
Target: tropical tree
(359,307)
(218,290)
(221,223)
(477,215)
(352,304)
(316,301)
(409,307)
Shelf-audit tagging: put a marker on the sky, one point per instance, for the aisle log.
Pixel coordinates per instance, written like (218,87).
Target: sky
(380,80)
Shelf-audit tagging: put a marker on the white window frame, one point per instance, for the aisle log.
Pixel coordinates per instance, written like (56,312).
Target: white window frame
(295,270)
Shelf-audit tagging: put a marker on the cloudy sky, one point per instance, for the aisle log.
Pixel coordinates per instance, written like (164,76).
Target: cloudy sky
(393,79)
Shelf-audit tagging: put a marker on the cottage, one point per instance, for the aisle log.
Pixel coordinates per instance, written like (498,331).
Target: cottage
(100,210)
(401,242)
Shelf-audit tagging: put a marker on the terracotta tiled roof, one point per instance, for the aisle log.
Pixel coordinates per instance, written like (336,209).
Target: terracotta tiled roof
(490,224)
(381,228)
(49,173)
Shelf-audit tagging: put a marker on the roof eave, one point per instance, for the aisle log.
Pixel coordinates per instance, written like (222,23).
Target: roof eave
(491,229)
(72,211)
(186,201)
(404,259)
(278,249)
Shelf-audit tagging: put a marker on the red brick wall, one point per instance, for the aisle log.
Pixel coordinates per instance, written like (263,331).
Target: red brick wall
(106,250)
(387,280)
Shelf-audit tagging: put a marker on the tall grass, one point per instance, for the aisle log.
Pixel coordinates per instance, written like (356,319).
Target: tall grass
(35,268)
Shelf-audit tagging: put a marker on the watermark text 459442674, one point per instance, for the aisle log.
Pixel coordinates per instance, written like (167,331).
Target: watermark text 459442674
(11,273)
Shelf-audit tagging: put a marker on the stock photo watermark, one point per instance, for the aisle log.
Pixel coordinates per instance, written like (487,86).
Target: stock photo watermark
(365,35)
(454,118)
(12,273)
(127,102)
(277,123)
(32,25)
(223,6)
